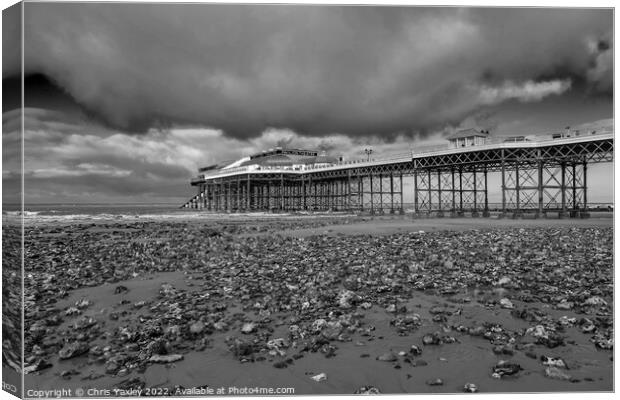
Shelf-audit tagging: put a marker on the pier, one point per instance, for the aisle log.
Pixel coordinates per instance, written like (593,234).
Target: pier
(536,177)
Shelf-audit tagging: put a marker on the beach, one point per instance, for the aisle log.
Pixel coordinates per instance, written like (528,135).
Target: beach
(184,303)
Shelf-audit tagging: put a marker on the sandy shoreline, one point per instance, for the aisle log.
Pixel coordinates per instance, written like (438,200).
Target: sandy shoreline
(379,286)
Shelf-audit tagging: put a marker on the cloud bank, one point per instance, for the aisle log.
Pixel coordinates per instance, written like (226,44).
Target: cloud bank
(70,162)
(357,71)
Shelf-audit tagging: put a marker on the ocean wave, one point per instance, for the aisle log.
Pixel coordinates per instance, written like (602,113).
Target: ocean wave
(175,216)
(19,213)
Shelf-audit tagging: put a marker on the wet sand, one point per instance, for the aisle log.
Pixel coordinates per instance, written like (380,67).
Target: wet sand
(211,262)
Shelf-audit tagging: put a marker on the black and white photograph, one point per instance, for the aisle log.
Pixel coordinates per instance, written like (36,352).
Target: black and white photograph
(228,199)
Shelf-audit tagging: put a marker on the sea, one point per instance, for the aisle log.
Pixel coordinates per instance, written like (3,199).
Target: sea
(130,211)
(93,211)
(133,211)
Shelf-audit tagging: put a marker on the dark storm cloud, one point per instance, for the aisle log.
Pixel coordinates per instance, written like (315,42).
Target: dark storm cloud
(11,40)
(360,71)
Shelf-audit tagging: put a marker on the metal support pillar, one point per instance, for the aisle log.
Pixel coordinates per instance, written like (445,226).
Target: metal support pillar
(304,204)
(503,169)
(260,203)
(380,193)
(281,191)
(453,211)
(562,213)
(517,212)
(360,184)
(439,199)
(402,194)
(238,205)
(460,212)
(315,190)
(248,199)
(585,213)
(330,195)
(348,198)
(430,195)
(574,186)
(415,192)
(540,212)
(215,199)
(486,212)
(214,187)
(372,208)
(391,193)
(206,201)
(475,212)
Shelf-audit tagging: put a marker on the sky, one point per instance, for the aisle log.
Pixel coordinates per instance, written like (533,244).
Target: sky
(123,102)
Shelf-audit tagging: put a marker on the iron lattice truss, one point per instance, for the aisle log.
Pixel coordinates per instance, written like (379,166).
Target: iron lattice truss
(537,179)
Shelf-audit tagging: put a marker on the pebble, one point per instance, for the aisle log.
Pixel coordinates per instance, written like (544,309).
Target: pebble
(504,281)
(415,350)
(169,358)
(120,289)
(320,377)
(248,328)
(505,349)
(197,327)
(367,390)
(432,339)
(564,305)
(595,301)
(389,356)
(506,303)
(39,365)
(553,362)
(72,350)
(504,368)
(280,364)
(556,373)
(470,388)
